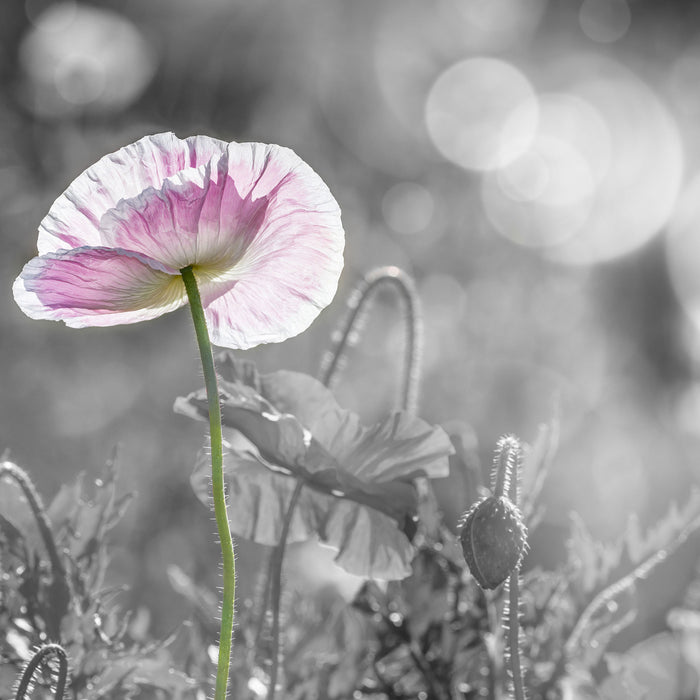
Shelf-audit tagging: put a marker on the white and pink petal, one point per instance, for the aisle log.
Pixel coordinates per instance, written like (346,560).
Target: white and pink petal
(256,310)
(259,227)
(164,224)
(73,220)
(97,287)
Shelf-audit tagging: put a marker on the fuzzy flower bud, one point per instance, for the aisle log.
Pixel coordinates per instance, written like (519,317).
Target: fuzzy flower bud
(494,539)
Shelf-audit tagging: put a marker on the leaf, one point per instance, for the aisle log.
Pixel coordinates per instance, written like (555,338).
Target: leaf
(686,624)
(90,520)
(66,503)
(424,597)
(368,542)
(536,464)
(650,670)
(677,523)
(602,629)
(577,685)
(595,563)
(360,496)
(130,672)
(201,599)
(591,560)
(12,537)
(159,673)
(328,651)
(464,463)
(601,620)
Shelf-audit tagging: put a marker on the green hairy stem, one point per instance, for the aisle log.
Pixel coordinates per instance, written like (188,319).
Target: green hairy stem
(218,487)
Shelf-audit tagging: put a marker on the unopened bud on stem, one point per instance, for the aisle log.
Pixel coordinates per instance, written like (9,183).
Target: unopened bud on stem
(493,538)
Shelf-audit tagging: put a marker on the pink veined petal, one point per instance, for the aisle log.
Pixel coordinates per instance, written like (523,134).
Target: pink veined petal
(97,287)
(213,216)
(291,260)
(73,220)
(180,223)
(292,191)
(164,224)
(259,226)
(266,307)
(262,231)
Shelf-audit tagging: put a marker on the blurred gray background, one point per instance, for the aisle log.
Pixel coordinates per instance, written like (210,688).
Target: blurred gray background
(534,165)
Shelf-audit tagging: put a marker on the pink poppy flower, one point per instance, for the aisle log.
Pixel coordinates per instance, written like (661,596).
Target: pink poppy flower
(259,227)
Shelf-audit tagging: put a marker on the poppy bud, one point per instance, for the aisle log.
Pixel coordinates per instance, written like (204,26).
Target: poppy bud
(493,538)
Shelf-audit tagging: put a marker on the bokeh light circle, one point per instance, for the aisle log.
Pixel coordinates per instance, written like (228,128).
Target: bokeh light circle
(79,58)
(408,207)
(415,40)
(601,174)
(544,196)
(636,197)
(468,113)
(605,21)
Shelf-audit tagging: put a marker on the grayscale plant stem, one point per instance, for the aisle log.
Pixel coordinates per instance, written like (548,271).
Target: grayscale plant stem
(60,590)
(276,566)
(512,448)
(39,657)
(359,303)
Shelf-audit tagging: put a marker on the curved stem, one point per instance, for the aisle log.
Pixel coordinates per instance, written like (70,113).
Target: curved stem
(358,304)
(330,367)
(60,590)
(36,661)
(278,560)
(506,466)
(218,487)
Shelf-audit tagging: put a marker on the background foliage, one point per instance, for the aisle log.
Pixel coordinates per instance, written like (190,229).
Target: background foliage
(522,301)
